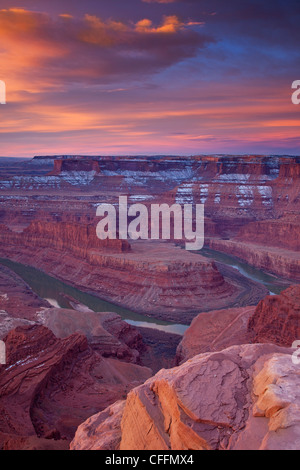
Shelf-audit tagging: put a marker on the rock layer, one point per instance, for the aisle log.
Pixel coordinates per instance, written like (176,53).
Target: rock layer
(214,331)
(155,278)
(106,333)
(277,318)
(230,400)
(49,385)
(16,297)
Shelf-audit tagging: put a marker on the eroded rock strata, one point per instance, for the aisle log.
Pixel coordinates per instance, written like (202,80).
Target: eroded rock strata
(50,385)
(16,297)
(277,318)
(236,399)
(106,333)
(151,277)
(214,331)
(238,191)
(68,366)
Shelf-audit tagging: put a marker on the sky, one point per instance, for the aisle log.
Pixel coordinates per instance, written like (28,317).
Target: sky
(180,77)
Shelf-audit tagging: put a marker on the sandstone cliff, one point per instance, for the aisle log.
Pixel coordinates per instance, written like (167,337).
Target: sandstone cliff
(277,318)
(49,386)
(214,331)
(279,261)
(106,333)
(242,398)
(155,278)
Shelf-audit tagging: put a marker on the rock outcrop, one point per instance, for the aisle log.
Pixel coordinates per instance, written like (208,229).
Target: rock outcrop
(279,261)
(106,333)
(49,385)
(16,297)
(277,318)
(272,245)
(214,331)
(279,233)
(242,398)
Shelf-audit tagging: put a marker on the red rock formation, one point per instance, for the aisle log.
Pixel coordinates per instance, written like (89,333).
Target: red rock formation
(75,164)
(214,331)
(279,261)
(76,238)
(49,385)
(236,190)
(236,399)
(281,233)
(16,298)
(106,333)
(155,278)
(277,318)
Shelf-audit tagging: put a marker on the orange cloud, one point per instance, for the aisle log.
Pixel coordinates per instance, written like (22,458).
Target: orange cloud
(40,51)
(171,25)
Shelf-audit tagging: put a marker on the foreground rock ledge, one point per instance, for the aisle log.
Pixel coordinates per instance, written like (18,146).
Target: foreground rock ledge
(242,398)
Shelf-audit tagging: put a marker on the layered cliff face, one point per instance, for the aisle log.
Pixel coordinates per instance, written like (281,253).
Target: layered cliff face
(214,331)
(271,245)
(155,278)
(277,318)
(76,238)
(50,385)
(236,399)
(238,192)
(235,189)
(106,333)
(278,261)
(280,233)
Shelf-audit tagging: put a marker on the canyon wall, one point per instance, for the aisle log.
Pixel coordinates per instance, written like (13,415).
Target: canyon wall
(235,189)
(278,261)
(277,318)
(235,399)
(154,278)
(49,386)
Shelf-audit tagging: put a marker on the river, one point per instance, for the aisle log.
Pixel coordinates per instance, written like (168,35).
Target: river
(55,291)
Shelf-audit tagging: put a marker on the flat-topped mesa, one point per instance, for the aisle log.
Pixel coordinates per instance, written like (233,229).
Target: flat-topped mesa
(201,165)
(234,189)
(81,164)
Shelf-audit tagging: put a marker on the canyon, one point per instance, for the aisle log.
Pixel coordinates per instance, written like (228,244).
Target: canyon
(155,278)
(82,379)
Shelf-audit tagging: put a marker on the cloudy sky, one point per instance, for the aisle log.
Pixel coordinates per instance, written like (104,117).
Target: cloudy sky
(149,77)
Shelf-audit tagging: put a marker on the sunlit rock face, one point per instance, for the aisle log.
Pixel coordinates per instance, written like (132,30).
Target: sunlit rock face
(237,399)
